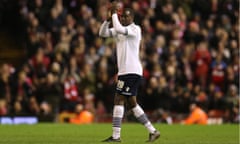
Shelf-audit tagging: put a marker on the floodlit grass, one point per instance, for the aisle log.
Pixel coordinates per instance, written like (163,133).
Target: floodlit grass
(131,134)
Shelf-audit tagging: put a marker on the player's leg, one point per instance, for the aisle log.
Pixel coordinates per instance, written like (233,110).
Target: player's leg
(142,118)
(118,112)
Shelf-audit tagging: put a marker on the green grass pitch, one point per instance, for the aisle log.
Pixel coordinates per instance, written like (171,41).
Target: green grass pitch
(132,133)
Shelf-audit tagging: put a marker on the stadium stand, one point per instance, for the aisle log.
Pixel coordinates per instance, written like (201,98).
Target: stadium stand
(189,51)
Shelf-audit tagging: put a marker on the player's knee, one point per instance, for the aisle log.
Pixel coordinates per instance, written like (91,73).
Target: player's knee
(132,102)
(118,102)
(132,105)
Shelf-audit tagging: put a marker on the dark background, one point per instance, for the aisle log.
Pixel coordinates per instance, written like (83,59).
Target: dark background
(12,34)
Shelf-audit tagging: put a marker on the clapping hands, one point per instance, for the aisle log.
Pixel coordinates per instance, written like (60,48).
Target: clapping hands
(115,7)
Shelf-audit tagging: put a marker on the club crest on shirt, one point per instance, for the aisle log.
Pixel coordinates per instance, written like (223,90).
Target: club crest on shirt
(127,89)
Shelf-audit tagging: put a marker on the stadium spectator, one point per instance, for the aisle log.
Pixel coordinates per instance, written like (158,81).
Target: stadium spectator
(218,74)
(201,59)
(3,107)
(71,94)
(217,104)
(6,88)
(233,102)
(50,92)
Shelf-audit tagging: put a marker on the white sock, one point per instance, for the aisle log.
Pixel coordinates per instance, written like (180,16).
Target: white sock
(150,127)
(142,118)
(116,132)
(118,112)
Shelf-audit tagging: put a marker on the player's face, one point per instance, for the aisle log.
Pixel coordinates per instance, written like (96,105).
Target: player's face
(126,18)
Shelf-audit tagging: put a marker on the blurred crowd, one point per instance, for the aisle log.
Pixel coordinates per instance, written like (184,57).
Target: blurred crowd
(189,51)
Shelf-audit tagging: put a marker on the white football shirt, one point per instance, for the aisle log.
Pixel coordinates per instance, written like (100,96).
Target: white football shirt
(128,45)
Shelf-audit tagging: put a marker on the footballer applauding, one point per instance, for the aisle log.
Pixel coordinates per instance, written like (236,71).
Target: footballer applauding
(128,36)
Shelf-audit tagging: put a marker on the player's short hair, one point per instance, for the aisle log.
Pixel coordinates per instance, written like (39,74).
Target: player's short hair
(128,11)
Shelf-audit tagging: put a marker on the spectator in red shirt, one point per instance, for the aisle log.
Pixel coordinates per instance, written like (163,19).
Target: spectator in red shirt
(202,59)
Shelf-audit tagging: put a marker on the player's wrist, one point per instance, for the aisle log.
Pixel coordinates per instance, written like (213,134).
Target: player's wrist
(109,19)
(114,12)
